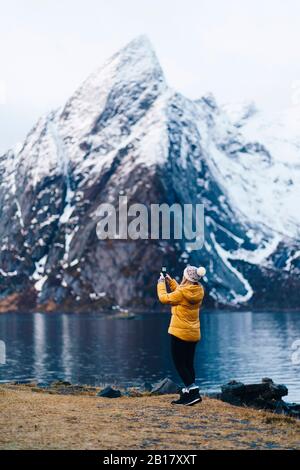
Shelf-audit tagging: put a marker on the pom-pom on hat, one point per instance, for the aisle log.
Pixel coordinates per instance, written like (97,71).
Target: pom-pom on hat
(193,274)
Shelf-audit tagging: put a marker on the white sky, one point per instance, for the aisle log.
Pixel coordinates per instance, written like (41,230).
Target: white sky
(237,49)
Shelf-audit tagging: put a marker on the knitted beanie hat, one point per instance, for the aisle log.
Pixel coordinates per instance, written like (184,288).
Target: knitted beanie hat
(193,274)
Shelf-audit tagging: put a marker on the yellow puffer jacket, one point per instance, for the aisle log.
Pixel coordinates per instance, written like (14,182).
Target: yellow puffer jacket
(186,301)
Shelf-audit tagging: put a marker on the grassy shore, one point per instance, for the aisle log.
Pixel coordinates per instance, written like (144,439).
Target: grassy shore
(35,419)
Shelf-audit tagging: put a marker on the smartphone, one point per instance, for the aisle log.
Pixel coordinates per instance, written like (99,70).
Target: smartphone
(164,270)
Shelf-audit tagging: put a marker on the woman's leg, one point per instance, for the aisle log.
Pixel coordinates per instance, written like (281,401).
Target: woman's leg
(183,353)
(190,360)
(181,357)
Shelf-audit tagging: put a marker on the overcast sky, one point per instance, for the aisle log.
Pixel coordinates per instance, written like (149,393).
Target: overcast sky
(238,50)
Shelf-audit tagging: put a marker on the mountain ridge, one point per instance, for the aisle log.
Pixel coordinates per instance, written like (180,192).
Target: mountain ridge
(126,131)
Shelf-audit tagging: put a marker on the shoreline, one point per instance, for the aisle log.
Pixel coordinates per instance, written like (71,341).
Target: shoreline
(146,389)
(33,418)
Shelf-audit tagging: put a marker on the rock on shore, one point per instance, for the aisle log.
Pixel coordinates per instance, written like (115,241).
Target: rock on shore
(265,395)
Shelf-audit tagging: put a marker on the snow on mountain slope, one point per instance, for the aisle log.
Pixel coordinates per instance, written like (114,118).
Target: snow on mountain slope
(125,131)
(266,190)
(100,116)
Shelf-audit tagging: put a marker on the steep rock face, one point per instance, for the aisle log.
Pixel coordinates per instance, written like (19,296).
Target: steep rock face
(125,132)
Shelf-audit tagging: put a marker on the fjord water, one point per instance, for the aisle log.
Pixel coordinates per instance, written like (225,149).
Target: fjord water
(95,348)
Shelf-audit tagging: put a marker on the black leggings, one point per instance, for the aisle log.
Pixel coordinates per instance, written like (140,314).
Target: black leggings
(183,353)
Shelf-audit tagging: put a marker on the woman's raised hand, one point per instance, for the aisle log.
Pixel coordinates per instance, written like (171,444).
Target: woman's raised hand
(168,278)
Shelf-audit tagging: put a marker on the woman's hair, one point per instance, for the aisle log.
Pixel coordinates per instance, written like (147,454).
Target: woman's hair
(187,281)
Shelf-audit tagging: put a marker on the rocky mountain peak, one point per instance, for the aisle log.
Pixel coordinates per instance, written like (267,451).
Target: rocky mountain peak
(124,130)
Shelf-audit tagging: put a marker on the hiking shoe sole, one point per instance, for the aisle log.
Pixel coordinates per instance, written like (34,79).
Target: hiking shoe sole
(193,402)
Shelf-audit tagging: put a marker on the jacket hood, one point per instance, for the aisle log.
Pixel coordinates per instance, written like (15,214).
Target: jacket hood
(192,292)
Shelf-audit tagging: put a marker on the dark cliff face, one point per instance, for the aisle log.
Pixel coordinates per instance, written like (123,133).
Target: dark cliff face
(125,132)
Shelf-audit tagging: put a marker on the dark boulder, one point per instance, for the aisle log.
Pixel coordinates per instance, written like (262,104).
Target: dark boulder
(264,392)
(146,387)
(265,395)
(164,387)
(293,409)
(109,392)
(233,392)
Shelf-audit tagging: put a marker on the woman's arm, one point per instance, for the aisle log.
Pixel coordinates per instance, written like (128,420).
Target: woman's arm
(173,298)
(173,284)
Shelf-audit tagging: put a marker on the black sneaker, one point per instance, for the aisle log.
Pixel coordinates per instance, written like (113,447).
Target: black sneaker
(182,399)
(193,397)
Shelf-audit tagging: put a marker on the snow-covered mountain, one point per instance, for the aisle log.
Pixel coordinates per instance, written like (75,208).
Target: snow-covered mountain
(125,131)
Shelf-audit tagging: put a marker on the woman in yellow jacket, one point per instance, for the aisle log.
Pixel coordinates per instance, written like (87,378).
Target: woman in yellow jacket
(186,299)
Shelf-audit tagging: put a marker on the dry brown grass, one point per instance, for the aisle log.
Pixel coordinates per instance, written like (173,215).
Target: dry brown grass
(31,420)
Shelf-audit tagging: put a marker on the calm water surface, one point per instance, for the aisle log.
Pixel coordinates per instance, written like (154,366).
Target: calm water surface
(92,348)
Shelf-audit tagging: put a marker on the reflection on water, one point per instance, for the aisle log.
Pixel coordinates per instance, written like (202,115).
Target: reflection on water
(92,349)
